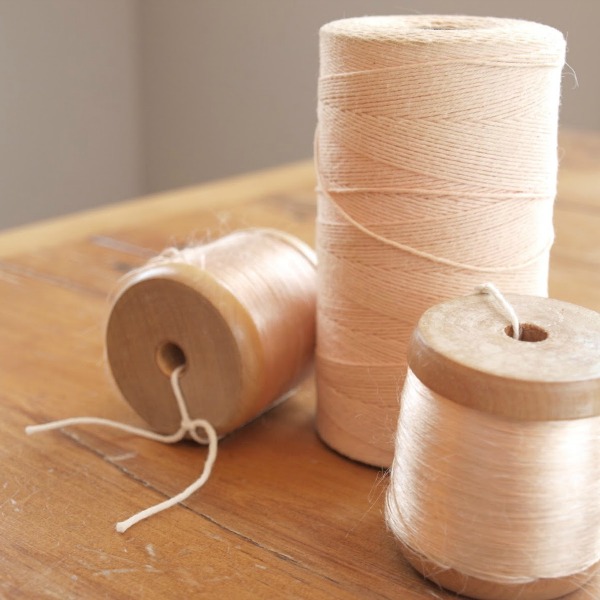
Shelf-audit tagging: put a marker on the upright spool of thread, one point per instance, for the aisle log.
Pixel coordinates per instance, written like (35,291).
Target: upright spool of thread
(495,488)
(436,157)
(238,313)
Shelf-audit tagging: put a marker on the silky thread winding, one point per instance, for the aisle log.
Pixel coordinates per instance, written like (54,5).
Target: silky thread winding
(436,163)
(504,501)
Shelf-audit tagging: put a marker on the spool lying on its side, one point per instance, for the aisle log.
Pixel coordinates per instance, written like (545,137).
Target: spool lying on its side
(238,313)
(495,483)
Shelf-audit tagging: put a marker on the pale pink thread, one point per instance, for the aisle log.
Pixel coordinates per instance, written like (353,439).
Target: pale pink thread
(512,497)
(436,162)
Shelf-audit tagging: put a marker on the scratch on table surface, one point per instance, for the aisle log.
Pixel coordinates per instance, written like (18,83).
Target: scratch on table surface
(214,536)
(15,501)
(104,557)
(109,572)
(112,243)
(150,550)
(151,569)
(124,456)
(185,577)
(131,566)
(20,271)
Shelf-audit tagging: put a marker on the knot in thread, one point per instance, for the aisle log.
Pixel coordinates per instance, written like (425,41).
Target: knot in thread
(187,425)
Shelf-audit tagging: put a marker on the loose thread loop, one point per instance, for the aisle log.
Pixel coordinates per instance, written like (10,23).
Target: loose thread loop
(439,259)
(187,426)
(324,189)
(504,305)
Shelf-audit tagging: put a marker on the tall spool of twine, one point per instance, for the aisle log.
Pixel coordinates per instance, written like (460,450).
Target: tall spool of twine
(494,492)
(436,155)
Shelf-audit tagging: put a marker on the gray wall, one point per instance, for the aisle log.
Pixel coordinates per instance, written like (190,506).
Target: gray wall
(70,120)
(101,100)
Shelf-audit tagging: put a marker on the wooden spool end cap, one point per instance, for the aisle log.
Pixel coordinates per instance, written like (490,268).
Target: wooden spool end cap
(462,349)
(175,314)
(473,587)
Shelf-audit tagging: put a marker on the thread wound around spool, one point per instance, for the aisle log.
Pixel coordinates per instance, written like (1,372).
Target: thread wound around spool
(238,313)
(436,161)
(462,352)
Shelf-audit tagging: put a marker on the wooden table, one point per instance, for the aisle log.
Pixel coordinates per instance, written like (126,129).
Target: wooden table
(282,516)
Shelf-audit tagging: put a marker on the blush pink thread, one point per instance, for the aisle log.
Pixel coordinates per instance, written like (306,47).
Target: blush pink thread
(436,162)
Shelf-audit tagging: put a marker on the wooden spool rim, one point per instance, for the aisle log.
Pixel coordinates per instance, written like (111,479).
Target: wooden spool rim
(244,366)
(461,350)
(481,589)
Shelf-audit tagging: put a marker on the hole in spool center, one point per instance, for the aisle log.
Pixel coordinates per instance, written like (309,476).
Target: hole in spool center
(169,356)
(529,333)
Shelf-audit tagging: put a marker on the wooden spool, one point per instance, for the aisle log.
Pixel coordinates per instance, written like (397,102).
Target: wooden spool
(463,351)
(240,317)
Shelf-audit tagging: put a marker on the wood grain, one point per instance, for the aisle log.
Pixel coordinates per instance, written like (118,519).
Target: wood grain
(282,516)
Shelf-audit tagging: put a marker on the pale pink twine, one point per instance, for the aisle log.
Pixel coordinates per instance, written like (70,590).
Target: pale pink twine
(436,160)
